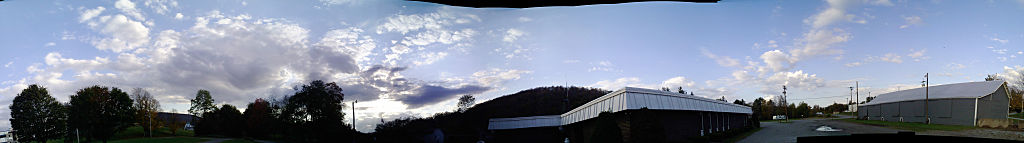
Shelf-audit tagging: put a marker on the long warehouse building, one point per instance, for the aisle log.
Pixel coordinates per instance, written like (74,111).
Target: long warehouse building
(641,115)
(950,104)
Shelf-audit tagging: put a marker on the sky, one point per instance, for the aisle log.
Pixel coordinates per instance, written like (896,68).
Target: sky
(413,59)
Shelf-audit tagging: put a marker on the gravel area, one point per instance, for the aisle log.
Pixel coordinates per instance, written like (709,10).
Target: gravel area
(775,132)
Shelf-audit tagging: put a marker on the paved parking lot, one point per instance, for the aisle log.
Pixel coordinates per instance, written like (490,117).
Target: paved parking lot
(775,132)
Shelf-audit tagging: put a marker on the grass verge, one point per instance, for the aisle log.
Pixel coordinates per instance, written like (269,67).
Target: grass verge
(917,127)
(741,136)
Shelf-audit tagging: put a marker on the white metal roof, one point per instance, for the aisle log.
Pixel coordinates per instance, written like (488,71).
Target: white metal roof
(524,122)
(623,99)
(957,90)
(636,98)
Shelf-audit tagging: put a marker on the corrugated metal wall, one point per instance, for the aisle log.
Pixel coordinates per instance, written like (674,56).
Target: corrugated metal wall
(942,111)
(627,100)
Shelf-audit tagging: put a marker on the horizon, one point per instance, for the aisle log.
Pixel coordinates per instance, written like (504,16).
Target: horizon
(413,59)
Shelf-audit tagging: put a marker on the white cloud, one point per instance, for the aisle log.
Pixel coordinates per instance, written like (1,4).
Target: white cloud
(955,66)
(892,58)
(1002,41)
(430,58)
(820,42)
(918,55)
(853,64)
(776,60)
(161,6)
(349,41)
(881,2)
(621,82)
(90,13)
(1013,75)
(525,19)
(125,34)
(128,8)
(721,60)
(911,20)
(512,35)
(8,64)
(495,77)
(835,12)
(793,80)
(678,82)
(50,44)
(178,16)
(602,66)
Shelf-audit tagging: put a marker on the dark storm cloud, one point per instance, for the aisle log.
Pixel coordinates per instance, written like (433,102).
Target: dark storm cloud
(430,94)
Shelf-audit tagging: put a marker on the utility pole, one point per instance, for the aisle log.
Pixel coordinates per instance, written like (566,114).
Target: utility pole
(354,120)
(784,104)
(857,100)
(927,116)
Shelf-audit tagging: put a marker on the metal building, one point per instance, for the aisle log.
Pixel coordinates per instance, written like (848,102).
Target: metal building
(677,117)
(951,104)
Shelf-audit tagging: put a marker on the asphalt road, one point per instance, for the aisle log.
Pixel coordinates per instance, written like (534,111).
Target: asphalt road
(775,132)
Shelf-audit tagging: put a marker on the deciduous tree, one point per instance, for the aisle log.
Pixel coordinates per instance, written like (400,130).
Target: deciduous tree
(37,116)
(146,109)
(99,112)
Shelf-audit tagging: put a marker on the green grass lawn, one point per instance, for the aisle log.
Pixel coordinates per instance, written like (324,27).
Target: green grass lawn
(136,132)
(917,127)
(848,113)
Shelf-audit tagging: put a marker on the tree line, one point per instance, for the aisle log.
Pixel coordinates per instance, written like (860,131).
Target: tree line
(312,114)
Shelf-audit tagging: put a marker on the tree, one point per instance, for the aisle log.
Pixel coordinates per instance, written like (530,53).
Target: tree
(991,77)
(259,118)
(230,120)
(465,102)
(202,103)
(146,108)
(803,110)
(681,91)
(315,113)
(37,116)
(758,108)
(173,123)
(99,112)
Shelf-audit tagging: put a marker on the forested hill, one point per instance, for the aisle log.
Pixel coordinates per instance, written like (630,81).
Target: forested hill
(467,126)
(536,102)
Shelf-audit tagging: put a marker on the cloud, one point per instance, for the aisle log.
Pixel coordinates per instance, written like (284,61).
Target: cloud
(525,19)
(161,6)
(918,55)
(835,12)
(429,94)
(178,16)
(1013,75)
(494,76)
(955,66)
(602,66)
(619,83)
(892,58)
(820,42)
(50,44)
(8,64)
(911,20)
(793,80)
(128,8)
(721,60)
(776,60)
(427,36)
(125,34)
(853,64)
(350,42)
(881,2)
(90,13)
(1001,41)
(512,35)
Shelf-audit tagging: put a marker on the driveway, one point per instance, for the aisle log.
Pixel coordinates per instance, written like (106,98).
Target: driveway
(775,132)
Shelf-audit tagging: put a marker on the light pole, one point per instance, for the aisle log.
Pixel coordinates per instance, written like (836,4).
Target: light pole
(354,120)
(784,104)
(927,117)
(857,91)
